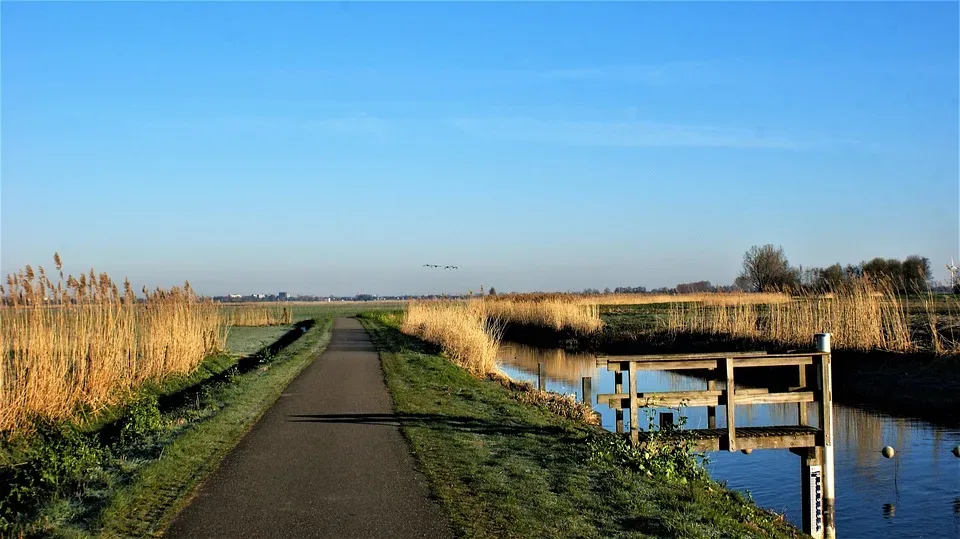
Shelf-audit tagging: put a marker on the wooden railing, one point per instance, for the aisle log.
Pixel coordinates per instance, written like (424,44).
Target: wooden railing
(813,385)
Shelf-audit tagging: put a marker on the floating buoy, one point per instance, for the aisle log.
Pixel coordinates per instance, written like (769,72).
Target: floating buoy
(956,451)
(888,452)
(746,451)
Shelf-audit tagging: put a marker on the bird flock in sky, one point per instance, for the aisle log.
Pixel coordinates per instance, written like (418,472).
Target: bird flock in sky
(439,266)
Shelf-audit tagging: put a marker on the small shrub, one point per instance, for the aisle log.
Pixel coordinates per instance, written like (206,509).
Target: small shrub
(143,420)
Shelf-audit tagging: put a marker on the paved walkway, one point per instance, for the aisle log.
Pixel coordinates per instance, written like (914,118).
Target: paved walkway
(313,467)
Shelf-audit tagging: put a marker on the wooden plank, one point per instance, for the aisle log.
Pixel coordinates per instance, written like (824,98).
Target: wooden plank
(664,402)
(776,398)
(586,390)
(662,365)
(789,437)
(671,399)
(731,406)
(774,361)
(647,395)
(675,357)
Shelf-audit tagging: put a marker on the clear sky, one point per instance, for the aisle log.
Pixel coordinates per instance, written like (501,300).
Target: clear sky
(335,148)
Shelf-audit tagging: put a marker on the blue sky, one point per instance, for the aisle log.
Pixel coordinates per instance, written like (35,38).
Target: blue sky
(334,148)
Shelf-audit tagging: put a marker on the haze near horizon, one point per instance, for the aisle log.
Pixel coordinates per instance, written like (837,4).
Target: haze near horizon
(336,148)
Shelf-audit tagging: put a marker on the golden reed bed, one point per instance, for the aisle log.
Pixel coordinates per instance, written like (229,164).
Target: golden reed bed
(258,315)
(83,343)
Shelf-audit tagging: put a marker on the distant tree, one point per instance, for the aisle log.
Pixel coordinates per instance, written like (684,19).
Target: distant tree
(492,292)
(365,297)
(882,269)
(630,290)
(825,279)
(606,290)
(766,269)
(852,272)
(592,291)
(693,288)
(742,284)
(916,273)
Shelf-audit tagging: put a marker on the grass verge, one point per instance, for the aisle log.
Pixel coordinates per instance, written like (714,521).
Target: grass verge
(504,468)
(130,476)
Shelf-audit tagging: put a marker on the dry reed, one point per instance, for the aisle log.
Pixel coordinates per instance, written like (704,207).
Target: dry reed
(707,298)
(83,344)
(558,314)
(862,316)
(259,315)
(712,298)
(461,328)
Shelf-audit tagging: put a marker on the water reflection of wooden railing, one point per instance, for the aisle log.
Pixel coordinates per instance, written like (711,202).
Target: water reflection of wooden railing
(813,444)
(569,367)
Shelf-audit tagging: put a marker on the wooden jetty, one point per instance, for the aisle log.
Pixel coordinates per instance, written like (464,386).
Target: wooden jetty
(814,444)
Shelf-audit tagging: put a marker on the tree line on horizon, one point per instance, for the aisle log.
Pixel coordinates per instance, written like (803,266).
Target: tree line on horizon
(766,268)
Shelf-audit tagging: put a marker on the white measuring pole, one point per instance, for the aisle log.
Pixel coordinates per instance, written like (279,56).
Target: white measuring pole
(829,488)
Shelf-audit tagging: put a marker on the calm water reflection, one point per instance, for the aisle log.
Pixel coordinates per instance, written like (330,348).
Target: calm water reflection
(916,494)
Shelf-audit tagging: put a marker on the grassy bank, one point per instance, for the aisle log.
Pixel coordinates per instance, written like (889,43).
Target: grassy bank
(502,466)
(131,472)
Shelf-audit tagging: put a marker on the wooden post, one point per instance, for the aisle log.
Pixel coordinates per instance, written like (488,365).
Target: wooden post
(802,406)
(811,489)
(666,420)
(731,406)
(587,390)
(711,410)
(618,388)
(634,405)
(542,376)
(829,491)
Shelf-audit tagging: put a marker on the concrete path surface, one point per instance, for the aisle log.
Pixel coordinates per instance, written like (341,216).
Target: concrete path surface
(307,470)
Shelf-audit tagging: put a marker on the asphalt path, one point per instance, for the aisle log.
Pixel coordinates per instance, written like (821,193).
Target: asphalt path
(315,466)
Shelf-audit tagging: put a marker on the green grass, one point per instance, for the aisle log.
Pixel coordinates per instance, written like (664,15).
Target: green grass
(336,309)
(130,477)
(245,340)
(501,468)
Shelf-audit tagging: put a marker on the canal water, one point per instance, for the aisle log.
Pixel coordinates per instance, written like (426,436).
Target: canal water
(915,494)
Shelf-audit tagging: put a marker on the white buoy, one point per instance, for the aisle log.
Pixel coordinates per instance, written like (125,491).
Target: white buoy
(956,451)
(888,452)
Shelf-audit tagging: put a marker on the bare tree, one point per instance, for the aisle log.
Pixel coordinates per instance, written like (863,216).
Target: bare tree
(766,269)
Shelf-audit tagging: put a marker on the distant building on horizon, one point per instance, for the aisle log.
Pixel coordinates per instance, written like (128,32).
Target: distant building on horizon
(282,296)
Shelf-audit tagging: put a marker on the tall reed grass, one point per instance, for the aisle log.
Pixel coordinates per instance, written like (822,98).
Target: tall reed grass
(462,329)
(558,314)
(581,313)
(712,298)
(82,343)
(861,316)
(259,315)
(706,298)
